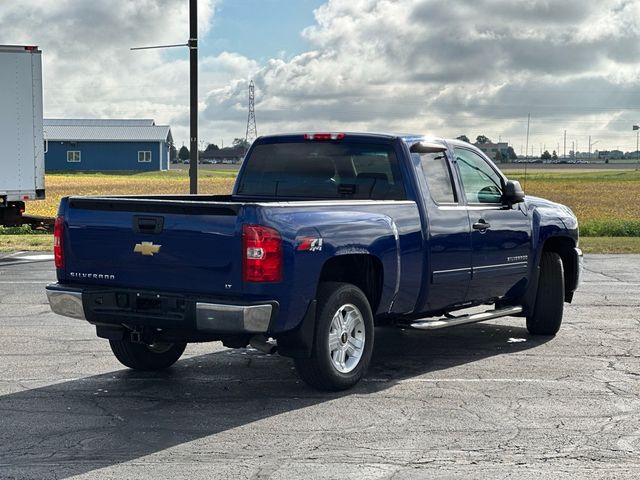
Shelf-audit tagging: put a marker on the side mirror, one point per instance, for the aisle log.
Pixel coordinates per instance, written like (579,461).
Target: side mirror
(512,193)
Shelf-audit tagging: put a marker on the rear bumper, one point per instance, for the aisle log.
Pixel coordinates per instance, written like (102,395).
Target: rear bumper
(222,318)
(201,315)
(66,302)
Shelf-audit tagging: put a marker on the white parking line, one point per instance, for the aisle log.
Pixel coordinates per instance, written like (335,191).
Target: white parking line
(463,380)
(42,256)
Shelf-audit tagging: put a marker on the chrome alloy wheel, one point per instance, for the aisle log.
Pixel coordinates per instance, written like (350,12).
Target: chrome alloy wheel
(346,338)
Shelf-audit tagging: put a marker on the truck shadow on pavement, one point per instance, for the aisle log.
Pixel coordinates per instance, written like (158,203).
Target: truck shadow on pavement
(90,423)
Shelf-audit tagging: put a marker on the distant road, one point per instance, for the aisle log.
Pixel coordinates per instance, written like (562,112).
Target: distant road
(568,166)
(219,166)
(503,166)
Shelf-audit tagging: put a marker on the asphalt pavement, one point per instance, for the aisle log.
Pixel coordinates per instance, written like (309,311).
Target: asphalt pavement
(477,401)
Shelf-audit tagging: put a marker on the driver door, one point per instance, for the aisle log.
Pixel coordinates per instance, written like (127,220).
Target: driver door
(500,235)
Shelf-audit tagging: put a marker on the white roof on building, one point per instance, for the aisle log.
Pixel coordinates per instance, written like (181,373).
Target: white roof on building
(105,130)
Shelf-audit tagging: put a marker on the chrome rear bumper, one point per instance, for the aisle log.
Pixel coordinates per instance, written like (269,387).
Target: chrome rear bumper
(210,317)
(67,303)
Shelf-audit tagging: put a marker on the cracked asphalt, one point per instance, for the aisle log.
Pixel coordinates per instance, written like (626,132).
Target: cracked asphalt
(476,401)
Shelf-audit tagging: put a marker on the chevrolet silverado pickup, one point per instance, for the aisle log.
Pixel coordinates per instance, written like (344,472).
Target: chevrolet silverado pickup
(324,237)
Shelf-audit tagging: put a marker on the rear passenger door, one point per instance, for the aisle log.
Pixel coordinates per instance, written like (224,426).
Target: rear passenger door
(448,253)
(500,235)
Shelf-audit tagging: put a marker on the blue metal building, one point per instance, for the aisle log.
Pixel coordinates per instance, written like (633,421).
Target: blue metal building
(106,145)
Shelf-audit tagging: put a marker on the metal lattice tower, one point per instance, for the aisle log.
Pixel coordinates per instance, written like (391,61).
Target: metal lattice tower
(252,130)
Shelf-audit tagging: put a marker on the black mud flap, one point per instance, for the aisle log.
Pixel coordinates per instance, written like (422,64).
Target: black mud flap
(298,343)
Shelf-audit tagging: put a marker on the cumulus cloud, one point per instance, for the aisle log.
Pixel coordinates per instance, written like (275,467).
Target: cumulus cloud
(88,67)
(452,67)
(436,66)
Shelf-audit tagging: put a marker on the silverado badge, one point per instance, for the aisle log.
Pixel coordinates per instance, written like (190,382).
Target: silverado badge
(146,248)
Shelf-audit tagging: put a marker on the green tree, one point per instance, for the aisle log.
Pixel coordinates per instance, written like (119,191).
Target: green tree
(212,147)
(183,154)
(464,138)
(481,139)
(511,154)
(240,142)
(554,155)
(546,155)
(173,152)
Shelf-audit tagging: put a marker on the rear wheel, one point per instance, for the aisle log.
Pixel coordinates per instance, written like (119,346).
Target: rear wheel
(142,356)
(343,342)
(546,316)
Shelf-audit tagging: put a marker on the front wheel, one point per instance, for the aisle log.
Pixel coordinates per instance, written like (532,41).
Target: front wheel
(343,342)
(546,316)
(141,356)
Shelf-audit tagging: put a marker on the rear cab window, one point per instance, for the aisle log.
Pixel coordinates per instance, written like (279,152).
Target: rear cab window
(439,178)
(322,170)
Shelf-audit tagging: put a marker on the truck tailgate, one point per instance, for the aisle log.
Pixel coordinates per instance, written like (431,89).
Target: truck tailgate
(154,244)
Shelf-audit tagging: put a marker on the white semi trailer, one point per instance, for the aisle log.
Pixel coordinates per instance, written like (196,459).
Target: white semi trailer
(21,136)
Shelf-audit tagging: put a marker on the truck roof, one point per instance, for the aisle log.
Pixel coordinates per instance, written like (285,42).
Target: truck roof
(408,138)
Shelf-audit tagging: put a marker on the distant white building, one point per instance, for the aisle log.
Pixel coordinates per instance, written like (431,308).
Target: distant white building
(491,149)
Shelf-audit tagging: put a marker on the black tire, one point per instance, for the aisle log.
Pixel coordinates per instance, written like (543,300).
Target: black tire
(139,356)
(546,316)
(319,371)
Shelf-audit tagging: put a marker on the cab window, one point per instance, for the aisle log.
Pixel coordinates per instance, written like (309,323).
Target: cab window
(480,182)
(438,175)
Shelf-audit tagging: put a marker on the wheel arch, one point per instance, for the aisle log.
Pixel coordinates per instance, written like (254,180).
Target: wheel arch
(565,247)
(365,271)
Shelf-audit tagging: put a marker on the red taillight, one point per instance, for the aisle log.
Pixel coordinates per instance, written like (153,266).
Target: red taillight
(58,230)
(323,136)
(261,254)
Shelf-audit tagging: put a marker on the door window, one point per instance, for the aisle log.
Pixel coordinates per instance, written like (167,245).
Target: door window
(480,182)
(436,171)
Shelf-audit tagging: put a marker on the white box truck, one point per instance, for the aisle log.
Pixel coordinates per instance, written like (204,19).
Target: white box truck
(21,136)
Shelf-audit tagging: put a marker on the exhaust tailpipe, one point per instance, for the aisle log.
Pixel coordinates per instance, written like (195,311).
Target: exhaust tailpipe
(262,344)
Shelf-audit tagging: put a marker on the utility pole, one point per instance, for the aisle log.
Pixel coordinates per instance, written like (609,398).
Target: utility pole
(564,155)
(590,145)
(637,130)
(527,151)
(193,92)
(193,95)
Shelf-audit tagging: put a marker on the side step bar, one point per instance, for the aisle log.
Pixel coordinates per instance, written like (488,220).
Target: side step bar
(473,318)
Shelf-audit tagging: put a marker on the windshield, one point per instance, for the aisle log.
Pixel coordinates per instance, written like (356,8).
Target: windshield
(322,170)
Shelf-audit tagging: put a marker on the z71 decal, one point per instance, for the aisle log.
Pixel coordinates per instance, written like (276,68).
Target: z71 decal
(309,244)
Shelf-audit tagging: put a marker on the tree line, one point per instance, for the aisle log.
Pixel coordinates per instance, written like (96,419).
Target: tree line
(184,154)
(510,154)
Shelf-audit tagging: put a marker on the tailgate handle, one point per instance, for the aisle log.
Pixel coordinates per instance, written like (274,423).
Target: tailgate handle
(145,224)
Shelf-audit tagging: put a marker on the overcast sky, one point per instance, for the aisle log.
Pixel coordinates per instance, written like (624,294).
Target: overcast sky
(440,67)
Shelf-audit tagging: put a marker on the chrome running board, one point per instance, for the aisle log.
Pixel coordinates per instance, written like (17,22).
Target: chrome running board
(473,318)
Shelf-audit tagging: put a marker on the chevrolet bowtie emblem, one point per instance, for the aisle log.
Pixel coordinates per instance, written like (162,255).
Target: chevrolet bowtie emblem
(146,248)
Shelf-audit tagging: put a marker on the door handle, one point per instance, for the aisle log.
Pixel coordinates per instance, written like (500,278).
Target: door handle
(481,225)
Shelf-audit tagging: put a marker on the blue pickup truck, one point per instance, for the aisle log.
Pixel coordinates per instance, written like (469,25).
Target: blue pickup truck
(324,237)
